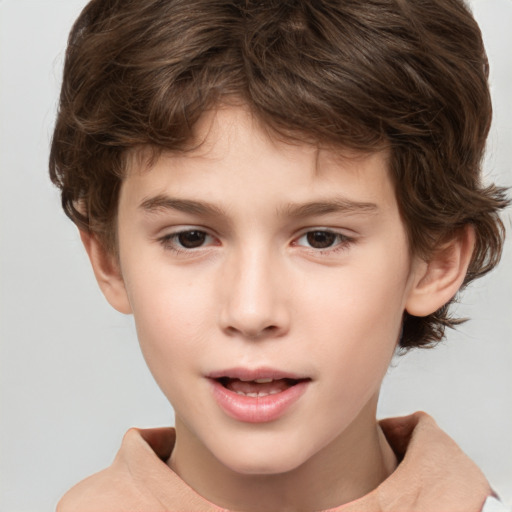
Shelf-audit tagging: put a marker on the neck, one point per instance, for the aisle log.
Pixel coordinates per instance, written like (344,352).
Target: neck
(349,467)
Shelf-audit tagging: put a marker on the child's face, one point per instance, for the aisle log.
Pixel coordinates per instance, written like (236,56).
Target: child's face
(251,258)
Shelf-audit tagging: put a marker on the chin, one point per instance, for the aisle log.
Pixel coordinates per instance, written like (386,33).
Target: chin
(263,462)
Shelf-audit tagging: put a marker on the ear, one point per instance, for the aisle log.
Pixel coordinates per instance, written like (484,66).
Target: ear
(440,278)
(108,273)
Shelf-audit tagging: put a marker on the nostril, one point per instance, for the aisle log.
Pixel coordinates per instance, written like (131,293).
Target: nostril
(238,318)
(253,333)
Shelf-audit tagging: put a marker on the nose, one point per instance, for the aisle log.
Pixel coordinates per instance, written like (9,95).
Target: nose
(254,303)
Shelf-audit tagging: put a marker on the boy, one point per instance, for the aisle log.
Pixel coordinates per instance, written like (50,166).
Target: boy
(281,193)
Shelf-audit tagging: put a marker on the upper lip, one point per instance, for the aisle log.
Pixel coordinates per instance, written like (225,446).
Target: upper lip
(249,374)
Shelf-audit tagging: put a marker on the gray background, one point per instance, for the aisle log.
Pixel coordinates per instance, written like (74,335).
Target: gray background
(72,377)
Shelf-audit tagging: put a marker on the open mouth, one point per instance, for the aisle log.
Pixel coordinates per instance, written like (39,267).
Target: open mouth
(258,387)
(257,395)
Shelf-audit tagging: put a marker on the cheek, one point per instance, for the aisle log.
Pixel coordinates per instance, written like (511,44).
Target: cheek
(363,298)
(354,326)
(171,320)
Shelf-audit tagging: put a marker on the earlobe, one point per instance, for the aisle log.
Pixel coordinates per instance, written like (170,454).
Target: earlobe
(439,279)
(107,272)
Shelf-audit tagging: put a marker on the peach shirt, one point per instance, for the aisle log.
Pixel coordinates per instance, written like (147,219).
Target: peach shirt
(434,475)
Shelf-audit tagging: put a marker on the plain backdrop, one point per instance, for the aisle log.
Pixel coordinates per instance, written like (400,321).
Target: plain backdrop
(72,378)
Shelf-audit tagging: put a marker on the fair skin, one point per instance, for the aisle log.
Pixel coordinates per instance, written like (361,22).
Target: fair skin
(253,258)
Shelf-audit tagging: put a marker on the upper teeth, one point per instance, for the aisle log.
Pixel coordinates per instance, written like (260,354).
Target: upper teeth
(258,381)
(257,395)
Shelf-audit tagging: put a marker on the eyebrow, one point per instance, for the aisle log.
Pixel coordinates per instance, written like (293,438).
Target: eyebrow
(336,205)
(161,203)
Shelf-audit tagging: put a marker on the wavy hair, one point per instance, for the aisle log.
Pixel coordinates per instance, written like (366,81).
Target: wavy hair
(406,75)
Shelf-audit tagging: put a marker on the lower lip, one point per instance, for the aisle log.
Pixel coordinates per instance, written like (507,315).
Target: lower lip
(257,409)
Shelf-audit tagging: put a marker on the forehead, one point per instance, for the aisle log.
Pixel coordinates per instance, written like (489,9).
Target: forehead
(234,155)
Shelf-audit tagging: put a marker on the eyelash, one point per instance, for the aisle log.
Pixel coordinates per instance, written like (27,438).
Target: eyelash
(342,241)
(170,241)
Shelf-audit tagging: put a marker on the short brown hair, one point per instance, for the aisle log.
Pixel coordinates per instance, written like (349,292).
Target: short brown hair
(407,75)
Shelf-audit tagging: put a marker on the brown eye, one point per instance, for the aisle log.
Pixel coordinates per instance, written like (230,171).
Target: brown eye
(191,239)
(321,239)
